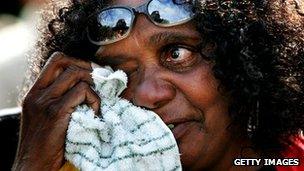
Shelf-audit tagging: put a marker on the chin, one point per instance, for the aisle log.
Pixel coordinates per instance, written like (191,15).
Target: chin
(192,151)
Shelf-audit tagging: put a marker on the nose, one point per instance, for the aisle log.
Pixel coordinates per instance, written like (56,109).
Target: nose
(153,93)
(150,87)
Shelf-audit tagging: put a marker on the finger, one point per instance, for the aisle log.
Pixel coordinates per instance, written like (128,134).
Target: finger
(68,79)
(55,66)
(81,93)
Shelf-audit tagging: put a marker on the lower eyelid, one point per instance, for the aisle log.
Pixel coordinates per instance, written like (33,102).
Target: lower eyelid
(184,65)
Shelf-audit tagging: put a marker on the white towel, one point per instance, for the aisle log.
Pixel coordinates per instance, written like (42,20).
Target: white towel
(124,137)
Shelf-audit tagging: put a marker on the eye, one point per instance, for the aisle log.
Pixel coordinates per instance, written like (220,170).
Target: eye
(179,58)
(177,54)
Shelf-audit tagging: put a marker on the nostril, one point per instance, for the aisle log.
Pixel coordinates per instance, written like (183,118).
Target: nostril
(156,105)
(160,104)
(133,101)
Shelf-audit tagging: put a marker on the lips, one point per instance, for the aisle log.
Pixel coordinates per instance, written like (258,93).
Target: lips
(182,129)
(181,124)
(179,129)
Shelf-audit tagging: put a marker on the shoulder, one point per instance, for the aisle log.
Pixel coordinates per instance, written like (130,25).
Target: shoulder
(9,128)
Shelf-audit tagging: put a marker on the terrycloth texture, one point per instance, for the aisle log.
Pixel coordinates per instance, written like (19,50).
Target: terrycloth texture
(125,137)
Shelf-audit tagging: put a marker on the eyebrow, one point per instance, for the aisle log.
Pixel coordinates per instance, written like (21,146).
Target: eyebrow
(169,37)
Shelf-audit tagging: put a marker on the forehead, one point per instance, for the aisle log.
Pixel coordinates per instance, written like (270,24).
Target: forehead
(131,3)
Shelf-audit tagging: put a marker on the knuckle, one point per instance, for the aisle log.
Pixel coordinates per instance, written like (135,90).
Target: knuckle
(59,59)
(57,56)
(74,72)
(71,69)
(84,76)
(83,86)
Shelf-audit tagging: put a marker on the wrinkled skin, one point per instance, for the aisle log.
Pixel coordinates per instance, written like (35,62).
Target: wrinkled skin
(166,75)
(63,84)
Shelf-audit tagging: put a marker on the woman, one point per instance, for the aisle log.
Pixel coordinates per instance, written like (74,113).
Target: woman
(227,74)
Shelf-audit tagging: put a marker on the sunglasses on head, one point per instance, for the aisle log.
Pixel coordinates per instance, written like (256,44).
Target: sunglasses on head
(115,23)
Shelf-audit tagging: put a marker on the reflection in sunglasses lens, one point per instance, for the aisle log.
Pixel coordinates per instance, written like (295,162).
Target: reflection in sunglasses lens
(168,12)
(111,24)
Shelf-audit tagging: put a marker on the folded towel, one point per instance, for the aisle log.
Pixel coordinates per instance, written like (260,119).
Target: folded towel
(124,137)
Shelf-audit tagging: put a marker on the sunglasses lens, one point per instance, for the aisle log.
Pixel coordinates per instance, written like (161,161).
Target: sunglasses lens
(110,25)
(170,12)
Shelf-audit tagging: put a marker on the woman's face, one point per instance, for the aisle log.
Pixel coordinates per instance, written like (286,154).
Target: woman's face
(167,76)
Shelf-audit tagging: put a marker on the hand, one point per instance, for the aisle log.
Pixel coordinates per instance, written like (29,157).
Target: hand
(63,84)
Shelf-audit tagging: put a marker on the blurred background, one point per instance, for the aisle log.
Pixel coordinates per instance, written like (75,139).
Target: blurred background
(18,23)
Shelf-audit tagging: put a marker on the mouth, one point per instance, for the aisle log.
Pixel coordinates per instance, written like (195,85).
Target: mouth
(181,129)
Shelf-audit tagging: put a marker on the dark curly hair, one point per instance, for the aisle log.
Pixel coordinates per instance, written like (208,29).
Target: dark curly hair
(259,58)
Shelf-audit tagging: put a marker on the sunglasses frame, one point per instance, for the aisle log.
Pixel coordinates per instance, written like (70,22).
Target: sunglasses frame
(141,9)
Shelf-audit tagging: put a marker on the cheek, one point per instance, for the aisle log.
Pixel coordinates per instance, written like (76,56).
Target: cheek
(212,137)
(203,93)
(201,88)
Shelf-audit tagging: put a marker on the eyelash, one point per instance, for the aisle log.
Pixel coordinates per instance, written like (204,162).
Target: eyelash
(179,66)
